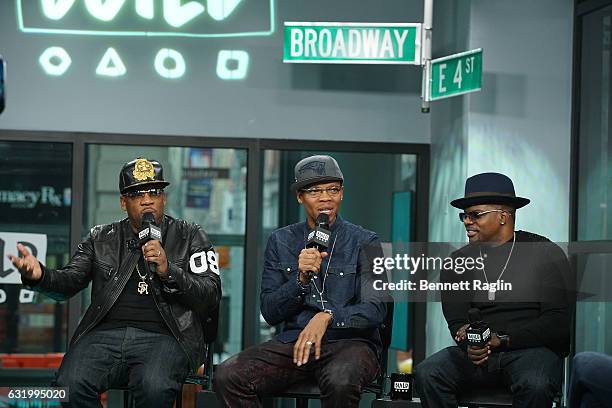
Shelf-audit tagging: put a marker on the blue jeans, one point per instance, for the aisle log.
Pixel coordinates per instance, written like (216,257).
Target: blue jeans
(152,365)
(533,375)
(591,381)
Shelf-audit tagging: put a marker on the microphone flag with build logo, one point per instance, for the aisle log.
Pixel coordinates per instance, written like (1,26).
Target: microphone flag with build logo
(478,333)
(149,231)
(401,386)
(319,236)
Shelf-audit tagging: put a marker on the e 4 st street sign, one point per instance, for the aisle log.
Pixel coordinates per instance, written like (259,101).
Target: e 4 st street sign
(352,43)
(454,75)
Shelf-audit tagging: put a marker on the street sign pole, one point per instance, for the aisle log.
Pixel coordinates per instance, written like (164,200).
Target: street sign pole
(426,58)
(386,43)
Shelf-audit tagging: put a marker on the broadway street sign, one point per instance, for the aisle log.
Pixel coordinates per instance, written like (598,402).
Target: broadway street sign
(352,43)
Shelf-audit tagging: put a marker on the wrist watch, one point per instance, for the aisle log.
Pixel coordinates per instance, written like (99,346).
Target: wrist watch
(303,286)
(504,340)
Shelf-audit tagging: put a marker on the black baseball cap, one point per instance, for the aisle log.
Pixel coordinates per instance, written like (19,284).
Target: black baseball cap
(141,172)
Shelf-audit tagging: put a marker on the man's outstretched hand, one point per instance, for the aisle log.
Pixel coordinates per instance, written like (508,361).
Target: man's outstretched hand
(27,265)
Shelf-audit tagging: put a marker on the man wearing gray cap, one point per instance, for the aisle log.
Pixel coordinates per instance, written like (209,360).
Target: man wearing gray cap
(323,299)
(155,281)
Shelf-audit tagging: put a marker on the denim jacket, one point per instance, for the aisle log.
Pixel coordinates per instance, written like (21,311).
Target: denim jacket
(346,275)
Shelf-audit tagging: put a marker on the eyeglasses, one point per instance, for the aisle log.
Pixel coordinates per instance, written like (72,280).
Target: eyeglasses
(153,192)
(475,215)
(317,192)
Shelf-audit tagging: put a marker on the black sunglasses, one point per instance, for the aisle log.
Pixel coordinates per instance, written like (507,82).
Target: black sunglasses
(153,192)
(475,215)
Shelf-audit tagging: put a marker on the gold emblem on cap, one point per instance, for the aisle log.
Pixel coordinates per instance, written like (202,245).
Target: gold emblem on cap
(143,170)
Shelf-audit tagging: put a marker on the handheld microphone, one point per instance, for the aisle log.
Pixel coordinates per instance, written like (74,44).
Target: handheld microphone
(149,232)
(319,237)
(478,333)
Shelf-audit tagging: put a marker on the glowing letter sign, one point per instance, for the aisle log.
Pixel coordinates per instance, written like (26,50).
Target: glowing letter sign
(105,10)
(178,15)
(174,18)
(148,19)
(144,8)
(56,9)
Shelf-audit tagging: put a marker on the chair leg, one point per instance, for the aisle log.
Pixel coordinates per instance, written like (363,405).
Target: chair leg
(127,399)
(179,398)
(301,403)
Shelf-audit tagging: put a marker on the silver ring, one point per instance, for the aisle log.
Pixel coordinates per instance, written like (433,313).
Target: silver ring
(158,252)
(309,343)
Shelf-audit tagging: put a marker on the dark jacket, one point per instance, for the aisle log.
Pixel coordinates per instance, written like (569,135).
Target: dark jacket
(107,258)
(358,310)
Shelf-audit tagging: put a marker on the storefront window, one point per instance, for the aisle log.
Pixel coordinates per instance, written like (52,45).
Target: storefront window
(594,318)
(35,204)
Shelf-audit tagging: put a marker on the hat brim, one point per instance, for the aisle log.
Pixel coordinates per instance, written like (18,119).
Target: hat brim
(514,202)
(303,183)
(153,184)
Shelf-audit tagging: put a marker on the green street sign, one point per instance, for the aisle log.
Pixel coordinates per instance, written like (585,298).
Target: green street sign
(455,75)
(352,43)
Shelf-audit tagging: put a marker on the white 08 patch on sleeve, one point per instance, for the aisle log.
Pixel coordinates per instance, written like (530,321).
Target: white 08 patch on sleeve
(201,262)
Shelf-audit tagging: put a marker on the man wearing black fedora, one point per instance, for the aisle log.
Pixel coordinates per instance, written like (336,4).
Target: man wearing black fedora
(330,319)
(529,322)
(155,280)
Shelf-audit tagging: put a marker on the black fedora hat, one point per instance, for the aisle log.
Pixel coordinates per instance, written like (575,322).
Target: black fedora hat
(489,188)
(316,169)
(141,172)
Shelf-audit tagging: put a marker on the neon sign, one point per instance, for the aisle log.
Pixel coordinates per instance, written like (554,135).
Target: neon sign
(175,18)
(161,59)
(111,64)
(55,61)
(147,18)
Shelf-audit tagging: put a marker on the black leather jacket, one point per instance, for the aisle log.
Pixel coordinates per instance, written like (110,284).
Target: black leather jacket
(107,258)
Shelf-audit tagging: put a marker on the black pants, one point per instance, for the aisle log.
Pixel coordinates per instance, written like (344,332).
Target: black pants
(344,368)
(534,376)
(153,365)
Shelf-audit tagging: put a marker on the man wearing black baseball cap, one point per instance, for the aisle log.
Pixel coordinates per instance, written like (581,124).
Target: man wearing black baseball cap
(322,297)
(155,281)
(529,324)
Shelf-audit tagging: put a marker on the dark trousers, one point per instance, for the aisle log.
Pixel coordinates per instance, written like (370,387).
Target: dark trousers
(591,381)
(153,365)
(344,368)
(534,376)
